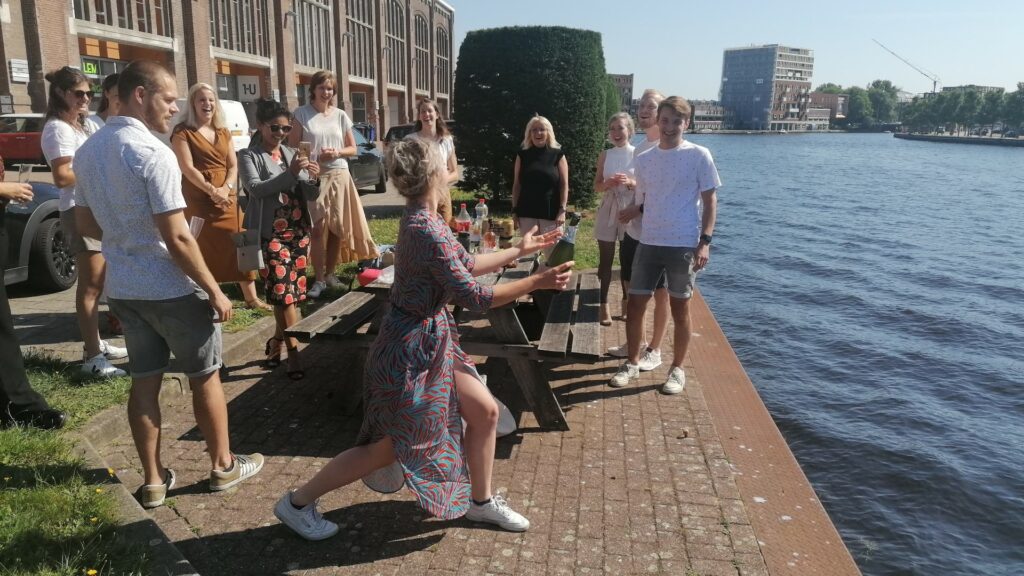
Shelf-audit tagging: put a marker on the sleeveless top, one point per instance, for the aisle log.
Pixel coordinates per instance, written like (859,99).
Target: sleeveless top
(607,227)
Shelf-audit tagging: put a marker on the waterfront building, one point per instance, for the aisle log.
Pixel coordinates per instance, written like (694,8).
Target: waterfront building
(624,84)
(974,88)
(768,88)
(707,115)
(387,54)
(838,105)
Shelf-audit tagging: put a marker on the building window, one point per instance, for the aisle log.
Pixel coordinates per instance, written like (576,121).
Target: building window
(422,38)
(312,45)
(444,70)
(240,25)
(359,24)
(358,106)
(142,16)
(124,14)
(395,41)
(103,12)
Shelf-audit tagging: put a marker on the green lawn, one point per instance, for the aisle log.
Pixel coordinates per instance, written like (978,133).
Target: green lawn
(56,516)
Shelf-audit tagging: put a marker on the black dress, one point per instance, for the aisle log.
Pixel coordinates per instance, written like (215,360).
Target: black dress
(539,183)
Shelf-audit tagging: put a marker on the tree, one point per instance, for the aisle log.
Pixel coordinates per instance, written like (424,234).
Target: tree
(991,109)
(505,76)
(1013,108)
(861,112)
(830,88)
(613,101)
(967,113)
(948,108)
(884,99)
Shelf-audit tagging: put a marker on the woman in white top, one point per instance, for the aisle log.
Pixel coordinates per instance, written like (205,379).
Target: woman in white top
(340,233)
(66,129)
(110,104)
(614,177)
(430,127)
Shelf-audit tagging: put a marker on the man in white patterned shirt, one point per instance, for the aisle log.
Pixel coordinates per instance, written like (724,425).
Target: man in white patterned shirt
(676,185)
(129,185)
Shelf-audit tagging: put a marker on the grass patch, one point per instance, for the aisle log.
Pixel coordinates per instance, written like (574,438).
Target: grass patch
(54,519)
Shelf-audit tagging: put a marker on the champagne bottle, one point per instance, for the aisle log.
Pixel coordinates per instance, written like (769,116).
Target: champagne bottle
(565,249)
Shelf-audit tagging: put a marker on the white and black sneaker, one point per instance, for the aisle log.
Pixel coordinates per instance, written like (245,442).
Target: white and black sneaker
(99,367)
(307,521)
(496,511)
(649,360)
(676,381)
(626,373)
(112,352)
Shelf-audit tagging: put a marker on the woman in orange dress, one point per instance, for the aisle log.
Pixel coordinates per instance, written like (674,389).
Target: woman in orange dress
(209,171)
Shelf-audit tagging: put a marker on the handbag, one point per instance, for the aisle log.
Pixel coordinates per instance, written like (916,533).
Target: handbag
(248,250)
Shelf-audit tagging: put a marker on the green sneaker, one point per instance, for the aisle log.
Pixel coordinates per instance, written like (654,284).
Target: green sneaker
(241,468)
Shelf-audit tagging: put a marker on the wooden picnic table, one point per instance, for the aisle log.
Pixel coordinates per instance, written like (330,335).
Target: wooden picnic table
(571,334)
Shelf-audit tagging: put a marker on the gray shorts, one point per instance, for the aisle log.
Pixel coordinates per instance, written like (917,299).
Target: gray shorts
(153,329)
(76,242)
(653,261)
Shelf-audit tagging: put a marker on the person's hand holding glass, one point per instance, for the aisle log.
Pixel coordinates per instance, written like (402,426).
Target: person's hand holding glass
(15,192)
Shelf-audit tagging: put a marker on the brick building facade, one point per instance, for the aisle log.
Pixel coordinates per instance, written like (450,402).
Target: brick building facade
(387,54)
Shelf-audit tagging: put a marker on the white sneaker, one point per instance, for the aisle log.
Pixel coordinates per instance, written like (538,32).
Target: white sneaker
(626,373)
(675,383)
(317,289)
(307,521)
(333,282)
(497,512)
(623,351)
(98,366)
(649,360)
(112,352)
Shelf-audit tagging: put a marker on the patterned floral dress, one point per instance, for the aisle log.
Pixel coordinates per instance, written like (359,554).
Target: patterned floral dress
(285,252)
(409,390)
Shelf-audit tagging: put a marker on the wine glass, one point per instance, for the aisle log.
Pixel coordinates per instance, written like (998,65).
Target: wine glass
(23,170)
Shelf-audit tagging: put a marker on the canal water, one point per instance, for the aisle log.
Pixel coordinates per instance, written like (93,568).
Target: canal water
(874,290)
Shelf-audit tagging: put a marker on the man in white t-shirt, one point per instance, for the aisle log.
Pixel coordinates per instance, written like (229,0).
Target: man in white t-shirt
(129,184)
(676,185)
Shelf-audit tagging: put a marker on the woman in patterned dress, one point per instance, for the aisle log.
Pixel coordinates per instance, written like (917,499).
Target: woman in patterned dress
(419,384)
(279,182)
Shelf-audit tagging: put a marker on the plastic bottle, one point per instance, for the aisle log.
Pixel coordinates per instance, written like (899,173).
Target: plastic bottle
(490,239)
(463,225)
(481,210)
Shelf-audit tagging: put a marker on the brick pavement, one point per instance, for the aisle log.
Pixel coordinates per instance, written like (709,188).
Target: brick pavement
(640,484)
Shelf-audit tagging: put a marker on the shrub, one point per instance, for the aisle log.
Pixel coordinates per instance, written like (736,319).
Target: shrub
(504,77)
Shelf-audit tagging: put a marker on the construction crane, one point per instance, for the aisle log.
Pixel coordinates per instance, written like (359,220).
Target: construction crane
(935,79)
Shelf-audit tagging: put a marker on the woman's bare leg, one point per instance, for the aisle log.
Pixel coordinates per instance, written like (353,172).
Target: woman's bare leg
(344,469)
(480,412)
(91,273)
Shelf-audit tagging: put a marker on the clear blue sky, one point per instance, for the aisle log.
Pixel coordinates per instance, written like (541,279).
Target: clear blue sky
(676,45)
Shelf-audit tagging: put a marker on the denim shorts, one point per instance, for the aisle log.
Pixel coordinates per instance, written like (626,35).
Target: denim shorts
(627,252)
(153,329)
(675,263)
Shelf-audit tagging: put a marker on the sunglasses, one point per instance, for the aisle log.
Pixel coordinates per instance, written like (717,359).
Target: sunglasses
(285,128)
(81,93)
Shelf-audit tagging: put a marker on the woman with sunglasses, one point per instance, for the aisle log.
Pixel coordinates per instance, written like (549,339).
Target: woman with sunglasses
(209,170)
(66,129)
(340,233)
(279,183)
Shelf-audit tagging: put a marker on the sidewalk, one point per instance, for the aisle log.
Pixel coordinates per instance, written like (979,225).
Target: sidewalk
(642,483)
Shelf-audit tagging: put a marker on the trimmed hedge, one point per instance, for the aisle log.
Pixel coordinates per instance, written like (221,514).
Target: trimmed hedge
(504,77)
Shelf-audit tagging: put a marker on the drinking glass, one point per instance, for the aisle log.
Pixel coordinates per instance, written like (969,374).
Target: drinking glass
(195,226)
(24,172)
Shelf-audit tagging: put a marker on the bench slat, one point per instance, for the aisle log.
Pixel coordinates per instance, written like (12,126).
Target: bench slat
(586,330)
(555,338)
(319,321)
(348,323)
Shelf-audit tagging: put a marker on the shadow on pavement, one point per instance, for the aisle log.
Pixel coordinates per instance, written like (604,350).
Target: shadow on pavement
(369,532)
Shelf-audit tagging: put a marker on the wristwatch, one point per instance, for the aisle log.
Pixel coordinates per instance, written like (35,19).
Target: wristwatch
(705,238)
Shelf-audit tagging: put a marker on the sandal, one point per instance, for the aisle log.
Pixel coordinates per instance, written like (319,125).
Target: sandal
(258,304)
(273,352)
(295,371)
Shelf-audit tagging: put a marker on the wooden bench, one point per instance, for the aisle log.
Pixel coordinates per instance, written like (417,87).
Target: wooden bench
(571,334)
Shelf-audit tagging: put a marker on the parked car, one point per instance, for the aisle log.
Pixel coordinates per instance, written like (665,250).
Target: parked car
(39,250)
(1011,134)
(235,121)
(20,136)
(367,169)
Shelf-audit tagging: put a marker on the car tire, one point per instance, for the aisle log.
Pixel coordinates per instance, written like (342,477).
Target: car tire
(51,267)
(382,184)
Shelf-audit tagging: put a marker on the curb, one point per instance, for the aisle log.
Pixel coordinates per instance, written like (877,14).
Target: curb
(112,423)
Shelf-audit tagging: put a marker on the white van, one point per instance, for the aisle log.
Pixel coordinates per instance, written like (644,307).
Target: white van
(234,119)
